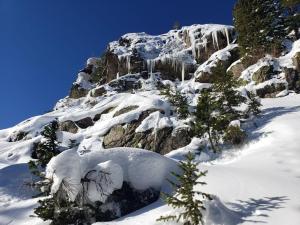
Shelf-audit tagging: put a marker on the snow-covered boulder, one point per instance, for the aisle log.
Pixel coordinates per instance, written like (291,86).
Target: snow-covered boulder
(142,169)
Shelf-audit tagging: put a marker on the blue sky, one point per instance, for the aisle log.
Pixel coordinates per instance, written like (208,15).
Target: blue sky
(43,44)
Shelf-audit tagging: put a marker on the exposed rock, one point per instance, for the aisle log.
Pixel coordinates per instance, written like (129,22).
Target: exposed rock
(264,73)
(17,136)
(270,91)
(296,61)
(68,126)
(161,141)
(127,83)
(97,92)
(204,75)
(98,116)
(125,201)
(236,69)
(125,110)
(291,77)
(77,91)
(85,123)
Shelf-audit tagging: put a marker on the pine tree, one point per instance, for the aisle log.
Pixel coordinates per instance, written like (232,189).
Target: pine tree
(184,197)
(253,105)
(43,152)
(178,101)
(228,98)
(292,14)
(260,27)
(207,119)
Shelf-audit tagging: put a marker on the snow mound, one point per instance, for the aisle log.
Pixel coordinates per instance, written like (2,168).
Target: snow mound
(142,169)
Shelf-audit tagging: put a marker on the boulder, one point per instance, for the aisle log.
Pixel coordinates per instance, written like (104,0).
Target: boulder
(264,73)
(77,91)
(270,91)
(236,69)
(85,123)
(97,92)
(127,83)
(296,61)
(291,77)
(68,126)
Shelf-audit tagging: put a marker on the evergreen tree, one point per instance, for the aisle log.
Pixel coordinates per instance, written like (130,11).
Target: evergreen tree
(43,152)
(292,8)
(208,120)
(260,27)
(184,197)
(253,105)
(178,101)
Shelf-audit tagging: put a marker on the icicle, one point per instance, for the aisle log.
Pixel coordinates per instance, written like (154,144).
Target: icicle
(227,35)
(182,72)
(128,63)
(118,75)
(215,39)
(150,67)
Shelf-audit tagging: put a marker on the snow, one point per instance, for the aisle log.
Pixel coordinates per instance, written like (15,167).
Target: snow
(170,45)
(142,169)
(221,55)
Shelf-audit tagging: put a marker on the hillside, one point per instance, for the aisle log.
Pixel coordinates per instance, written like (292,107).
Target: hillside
(116,118)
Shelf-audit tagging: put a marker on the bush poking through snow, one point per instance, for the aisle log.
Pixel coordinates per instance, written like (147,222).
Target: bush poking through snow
(234,135)
(184,198)
(178,101)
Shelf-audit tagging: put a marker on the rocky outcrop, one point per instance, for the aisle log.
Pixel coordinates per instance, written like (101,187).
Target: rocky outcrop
(292,78)
(263,74)
(216,63)
(68,126)
(270,90)
(236,69)
(125,110)
(97,92)
(126,83)
(77,91)
(84,123)
(162,141)
(296,61)
(17,136)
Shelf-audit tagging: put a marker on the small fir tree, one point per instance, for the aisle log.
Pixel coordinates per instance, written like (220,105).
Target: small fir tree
(43,152)
(178,101)
(184,197)
(234,135)
(254,105)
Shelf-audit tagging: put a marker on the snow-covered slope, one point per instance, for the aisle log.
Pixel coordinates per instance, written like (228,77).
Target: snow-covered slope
(124,108)
(256,184)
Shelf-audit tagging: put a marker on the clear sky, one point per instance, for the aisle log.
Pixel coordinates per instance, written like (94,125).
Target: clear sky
(44,43)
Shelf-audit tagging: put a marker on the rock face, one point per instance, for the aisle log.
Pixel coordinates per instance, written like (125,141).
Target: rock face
(85,123)
(292,78)
(98,92)
(161,141)
(264,73)
(68,126)
(296,61)
(219,61)
(236,69)
(126,83)
(77,91)
(270,91)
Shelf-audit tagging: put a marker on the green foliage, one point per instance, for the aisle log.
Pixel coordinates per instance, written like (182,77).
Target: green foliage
(216,108)
(260,26)
(253,105)
(47,149)
(291,8)
(43,152)
(62,212)
(184,197)
(178,101)
(234,135)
